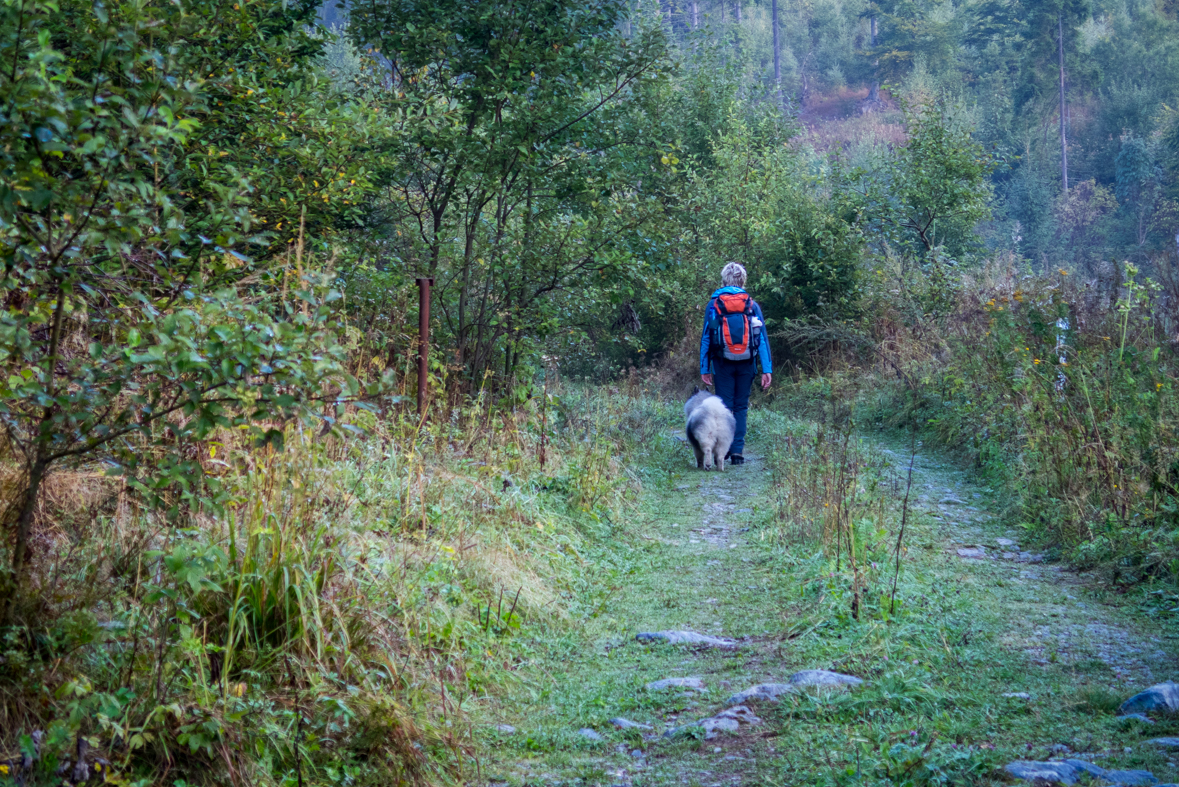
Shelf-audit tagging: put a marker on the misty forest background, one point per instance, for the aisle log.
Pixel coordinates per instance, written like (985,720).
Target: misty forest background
(234,553)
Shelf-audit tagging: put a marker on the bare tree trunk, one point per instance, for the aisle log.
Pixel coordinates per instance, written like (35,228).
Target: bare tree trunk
(874,91)
(777,52)
(41,459)
(737,30)
(695,15)
(1063,108)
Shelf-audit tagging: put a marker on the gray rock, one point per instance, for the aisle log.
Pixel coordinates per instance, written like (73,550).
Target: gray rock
(713,725)
(1029,557)
(627,724)
(949,500)
(728,720)
(1004,542)
(821,677)
(1051,772)
(1166,743)
(1018,695)
(1160,697)
(506,728)
(637,754)
(1131,778)
(676,683)
(974,553)
(586,732)
(1124,778)
(768,692)
(1060,748)
(1142,717)
(685,638)
(1084,766)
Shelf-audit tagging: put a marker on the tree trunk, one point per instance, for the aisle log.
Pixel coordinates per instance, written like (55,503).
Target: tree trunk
(24,528)
(777,53)
(1063,108)
(695,15)
(874,91)
(737,30)
(41,451)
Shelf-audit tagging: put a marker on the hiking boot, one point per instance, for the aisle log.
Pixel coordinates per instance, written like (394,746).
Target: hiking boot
(737,459)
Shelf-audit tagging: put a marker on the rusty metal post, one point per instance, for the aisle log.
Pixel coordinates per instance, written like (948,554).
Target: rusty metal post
(424,285)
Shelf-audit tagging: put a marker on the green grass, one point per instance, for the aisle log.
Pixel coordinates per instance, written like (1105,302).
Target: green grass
(964,632)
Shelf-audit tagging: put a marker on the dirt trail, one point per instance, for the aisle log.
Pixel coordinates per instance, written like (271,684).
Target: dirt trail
(1051,620)
(988,666)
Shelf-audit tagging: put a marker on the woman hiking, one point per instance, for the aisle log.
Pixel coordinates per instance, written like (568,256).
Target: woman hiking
(732,347)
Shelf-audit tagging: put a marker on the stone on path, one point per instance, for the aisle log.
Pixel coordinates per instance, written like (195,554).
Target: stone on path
(768,692)
(974,553)
(812,677)
(676,683)
(506,728)
(1051,772)
(1166,743)
(586,732)
(1018,695)
(1069,771)
(1160,697)
(1142,717)
(627,724)
(1131,778)
(822,677)
(728,720)
(1004,542)
(685,638)
(950,500)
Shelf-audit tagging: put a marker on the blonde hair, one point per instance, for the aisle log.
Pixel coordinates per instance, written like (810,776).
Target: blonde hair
(733,275)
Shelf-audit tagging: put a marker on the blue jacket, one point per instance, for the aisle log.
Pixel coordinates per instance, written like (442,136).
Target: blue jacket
(763,346)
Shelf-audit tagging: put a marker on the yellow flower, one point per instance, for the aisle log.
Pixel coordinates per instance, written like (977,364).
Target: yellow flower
(1036,361)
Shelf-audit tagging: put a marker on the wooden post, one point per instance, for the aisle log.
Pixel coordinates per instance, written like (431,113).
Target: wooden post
(424,284)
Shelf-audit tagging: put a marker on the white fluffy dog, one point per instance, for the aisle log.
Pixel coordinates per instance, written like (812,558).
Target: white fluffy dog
(710,428)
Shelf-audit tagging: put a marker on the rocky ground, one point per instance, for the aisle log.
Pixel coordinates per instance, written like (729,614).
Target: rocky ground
(728,656)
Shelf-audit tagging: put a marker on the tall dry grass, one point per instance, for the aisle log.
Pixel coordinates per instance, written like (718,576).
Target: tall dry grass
(1059,385)
(333,616)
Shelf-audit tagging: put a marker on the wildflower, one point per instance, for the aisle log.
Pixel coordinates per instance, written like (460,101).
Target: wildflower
(1036,361)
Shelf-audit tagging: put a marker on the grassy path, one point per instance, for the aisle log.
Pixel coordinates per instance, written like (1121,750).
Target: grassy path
(968,631)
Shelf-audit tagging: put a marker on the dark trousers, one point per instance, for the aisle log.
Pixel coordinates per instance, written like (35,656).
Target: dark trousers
(733,380)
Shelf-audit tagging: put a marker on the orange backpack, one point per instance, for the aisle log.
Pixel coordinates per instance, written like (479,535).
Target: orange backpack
(733,333)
